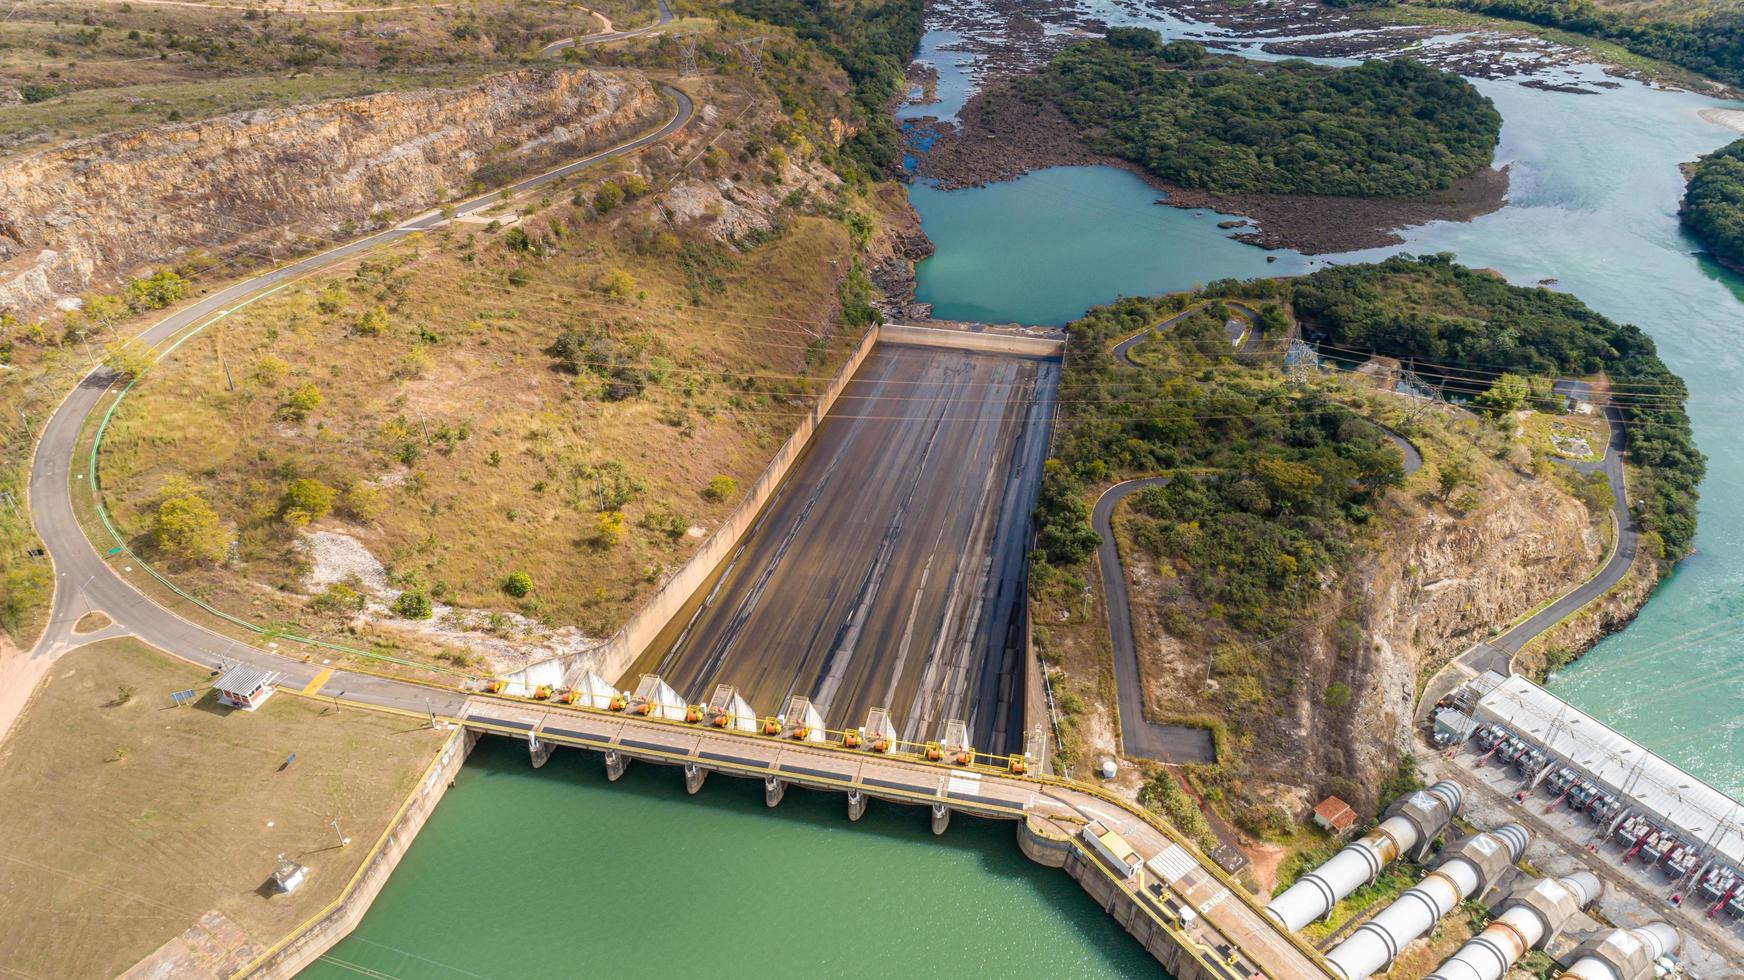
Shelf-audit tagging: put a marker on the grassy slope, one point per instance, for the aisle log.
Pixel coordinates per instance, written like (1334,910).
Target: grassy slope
(179,825)
(732,373)
(115,66)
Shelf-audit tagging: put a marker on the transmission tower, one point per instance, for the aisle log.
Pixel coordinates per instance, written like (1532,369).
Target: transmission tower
(687,56)
(751,53)
(1300,361)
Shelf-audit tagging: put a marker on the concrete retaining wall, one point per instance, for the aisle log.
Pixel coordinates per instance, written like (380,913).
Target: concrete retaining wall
(996,343)
(304,947)
(618,653)
(1181,963)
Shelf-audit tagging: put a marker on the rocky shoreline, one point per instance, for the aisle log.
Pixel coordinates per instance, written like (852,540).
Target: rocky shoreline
(1001,136)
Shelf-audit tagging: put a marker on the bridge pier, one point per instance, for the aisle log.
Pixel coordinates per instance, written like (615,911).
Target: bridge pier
(693,777)
(539,752)
(856,804)
(616,764)
(773,790)
(941,818)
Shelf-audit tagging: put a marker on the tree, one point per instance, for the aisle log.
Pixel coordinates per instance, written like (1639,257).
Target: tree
(184,525)
(518,584)
(1452,475)
(1508,393)
(1337,694)
(129,359)
(306,500)
(414,604)
(719,488)
(1292,481)
(156,292)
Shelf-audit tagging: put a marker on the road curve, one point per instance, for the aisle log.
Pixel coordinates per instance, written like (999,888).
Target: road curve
(86,580)
(1622,557)
(665,18)
(1139,737)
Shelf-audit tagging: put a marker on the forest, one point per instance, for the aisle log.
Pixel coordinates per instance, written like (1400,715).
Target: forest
(872,42)
(1472,326)
(1713,203)
(1711,44)
(1228,125)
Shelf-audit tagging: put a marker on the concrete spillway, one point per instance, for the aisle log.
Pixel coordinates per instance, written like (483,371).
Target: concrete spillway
(1411,823)
(1531,918)
(1467,869)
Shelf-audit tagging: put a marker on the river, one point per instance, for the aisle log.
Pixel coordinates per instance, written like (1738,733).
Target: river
(556,872)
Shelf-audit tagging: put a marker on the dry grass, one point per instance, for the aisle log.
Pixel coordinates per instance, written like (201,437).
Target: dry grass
(127,819)
(116,66)
(511,454)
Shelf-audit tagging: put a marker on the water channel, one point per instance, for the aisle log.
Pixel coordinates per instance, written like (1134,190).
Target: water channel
(557,872)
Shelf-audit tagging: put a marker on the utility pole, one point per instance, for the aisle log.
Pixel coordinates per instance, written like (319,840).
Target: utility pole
(343,840)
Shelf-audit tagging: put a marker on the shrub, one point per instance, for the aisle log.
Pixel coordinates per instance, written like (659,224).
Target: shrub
(306,500)
(413,604)
(338,597)
(619,284)
(364,501)
(156,292)
(1337,694)
(269,369)
(304,398)
(129,359)
(609,196)
(518,584)
(609,527)
(372,323)
(719,489)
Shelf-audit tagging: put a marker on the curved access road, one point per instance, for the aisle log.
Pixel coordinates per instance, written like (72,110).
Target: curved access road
(1511,640)
(86,580)
(1169,743)
(550,50)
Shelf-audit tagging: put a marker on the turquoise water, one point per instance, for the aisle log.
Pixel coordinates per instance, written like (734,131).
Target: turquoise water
(1594,188)
(557,872)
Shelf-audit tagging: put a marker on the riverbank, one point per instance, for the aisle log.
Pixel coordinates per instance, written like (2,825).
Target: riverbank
(999,135)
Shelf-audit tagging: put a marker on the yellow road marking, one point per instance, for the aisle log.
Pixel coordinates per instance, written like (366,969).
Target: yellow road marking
(320,679)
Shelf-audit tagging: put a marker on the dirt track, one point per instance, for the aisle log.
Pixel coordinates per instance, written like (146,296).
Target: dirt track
(888,569)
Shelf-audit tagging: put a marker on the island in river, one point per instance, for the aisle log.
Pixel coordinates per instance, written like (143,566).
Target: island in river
(1324,159)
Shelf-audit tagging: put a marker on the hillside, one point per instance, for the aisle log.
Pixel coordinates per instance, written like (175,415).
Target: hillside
(1713,203)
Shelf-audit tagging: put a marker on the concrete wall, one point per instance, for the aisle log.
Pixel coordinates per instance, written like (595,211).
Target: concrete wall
(1157,941)
(996,343)
(613,658)
(305,946)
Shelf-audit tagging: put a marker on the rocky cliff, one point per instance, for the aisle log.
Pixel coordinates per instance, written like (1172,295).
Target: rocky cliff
(82,215)
(1442,581)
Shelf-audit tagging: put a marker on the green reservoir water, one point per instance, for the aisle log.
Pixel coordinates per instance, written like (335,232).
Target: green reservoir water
(557,872)
(1593,202)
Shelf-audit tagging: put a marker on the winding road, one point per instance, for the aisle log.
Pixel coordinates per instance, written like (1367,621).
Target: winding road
(87,581)
(1140,737)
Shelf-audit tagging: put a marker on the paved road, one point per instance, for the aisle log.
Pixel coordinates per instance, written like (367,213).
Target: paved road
(1138,737)
(665,18)
(1623,556)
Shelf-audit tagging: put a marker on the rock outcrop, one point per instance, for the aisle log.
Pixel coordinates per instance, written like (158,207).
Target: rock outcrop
(87,213)
(1442,582)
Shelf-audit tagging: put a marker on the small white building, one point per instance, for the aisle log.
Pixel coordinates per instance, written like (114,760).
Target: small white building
(245,687)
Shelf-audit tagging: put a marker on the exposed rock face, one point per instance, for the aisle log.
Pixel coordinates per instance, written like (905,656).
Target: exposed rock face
(1442,583)
(80,216)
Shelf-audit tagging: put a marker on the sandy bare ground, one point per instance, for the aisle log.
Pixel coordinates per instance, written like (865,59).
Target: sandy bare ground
(1732,119)
(19,677)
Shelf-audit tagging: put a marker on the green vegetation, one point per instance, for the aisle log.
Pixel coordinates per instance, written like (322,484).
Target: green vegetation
(1165,796)
(1713,203)
(872,42)
(518,584)
(1476,326)
(1384,128)
(1709,41)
